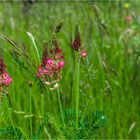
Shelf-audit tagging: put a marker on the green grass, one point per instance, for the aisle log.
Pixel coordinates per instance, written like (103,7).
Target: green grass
(108,79)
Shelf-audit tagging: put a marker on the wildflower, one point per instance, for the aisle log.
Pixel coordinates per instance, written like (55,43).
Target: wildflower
(126,5)
(128,19)
(83,53)
(51,65)
(49,71)
(76,45)
(5,79)
(60,64)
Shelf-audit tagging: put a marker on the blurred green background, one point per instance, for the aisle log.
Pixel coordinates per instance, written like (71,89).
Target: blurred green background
(110,80)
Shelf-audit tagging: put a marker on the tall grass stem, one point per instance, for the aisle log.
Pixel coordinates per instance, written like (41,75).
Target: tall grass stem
(34,44)
(77,71)
(31,112)
(60,106)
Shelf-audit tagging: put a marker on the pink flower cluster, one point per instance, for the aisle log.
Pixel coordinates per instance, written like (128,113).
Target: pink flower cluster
(51,65)
(5,79)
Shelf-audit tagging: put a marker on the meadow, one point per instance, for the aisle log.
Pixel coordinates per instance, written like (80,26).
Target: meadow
(94,93)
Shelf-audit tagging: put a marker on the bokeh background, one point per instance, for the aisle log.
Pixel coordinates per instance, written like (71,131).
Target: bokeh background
(110,32)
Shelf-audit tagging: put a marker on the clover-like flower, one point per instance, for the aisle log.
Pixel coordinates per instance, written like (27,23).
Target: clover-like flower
(51,66)
(5,79)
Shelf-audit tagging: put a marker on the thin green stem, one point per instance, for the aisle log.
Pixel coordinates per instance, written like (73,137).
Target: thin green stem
(60,105)
(77,67)
(49,100)
(84,111)
(42,104)
(9,113)
(35,46)
(31,113)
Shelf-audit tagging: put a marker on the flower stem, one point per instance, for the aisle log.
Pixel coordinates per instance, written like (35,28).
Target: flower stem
(31,113)
(77,67)
(42,104)
(60,106)
(34,44)
(9,113)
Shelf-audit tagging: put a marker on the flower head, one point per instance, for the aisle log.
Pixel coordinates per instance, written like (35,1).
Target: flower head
(5,79)
(126,5)
(83,53)
(60,64)
(128,19)
(51,65)
(76,44)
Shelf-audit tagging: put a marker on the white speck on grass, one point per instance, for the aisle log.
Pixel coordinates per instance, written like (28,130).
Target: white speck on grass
(28,116)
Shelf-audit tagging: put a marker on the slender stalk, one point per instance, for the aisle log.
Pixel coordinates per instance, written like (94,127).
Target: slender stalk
(31,113)
(60,106)
(84,111)
(48,100)
(46,131)
(9,113)
(42,104)
(77,67)
(35,46)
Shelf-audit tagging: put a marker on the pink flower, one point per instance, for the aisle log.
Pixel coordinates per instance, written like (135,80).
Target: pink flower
(49,62)
(60,64)
(83,53)
(45,71)
(128,19)
(51,65)
(40,71)
(6,79)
